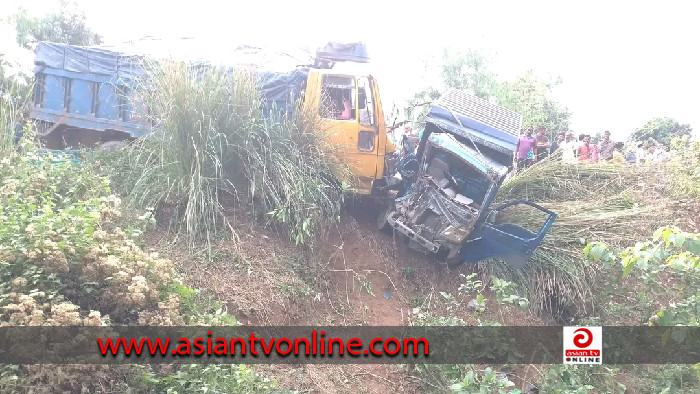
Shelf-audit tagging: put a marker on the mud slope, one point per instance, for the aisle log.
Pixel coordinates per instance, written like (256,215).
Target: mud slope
(354,276)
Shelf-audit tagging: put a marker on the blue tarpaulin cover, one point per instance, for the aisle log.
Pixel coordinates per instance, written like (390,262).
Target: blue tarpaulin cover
(281,74)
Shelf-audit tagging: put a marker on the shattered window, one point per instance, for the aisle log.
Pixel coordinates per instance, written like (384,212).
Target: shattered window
(338,98)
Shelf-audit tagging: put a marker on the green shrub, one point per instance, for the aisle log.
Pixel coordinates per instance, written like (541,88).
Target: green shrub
(211,140)
(64,260)
(213,379)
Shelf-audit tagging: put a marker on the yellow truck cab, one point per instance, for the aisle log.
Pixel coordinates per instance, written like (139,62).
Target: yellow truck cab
(350,110)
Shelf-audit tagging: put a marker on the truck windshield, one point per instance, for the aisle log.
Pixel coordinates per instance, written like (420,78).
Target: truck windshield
(338,98)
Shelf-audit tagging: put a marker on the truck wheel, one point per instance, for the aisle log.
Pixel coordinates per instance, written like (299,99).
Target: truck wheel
(111,145)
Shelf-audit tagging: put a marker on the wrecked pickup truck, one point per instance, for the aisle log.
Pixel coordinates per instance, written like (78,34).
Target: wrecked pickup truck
(444,203)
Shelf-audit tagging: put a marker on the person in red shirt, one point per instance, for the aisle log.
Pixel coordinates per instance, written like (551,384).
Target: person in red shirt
(587,153)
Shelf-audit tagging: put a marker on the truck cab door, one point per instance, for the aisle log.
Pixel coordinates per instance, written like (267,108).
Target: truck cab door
(368,130)
(349,117)
(506,241)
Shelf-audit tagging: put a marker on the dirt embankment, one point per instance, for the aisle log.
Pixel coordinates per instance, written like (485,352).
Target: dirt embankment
(354,276)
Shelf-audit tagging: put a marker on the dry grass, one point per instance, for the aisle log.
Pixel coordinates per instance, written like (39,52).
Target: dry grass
(618,204)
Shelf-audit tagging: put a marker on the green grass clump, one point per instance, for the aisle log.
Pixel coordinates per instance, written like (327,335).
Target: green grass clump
(684,167)
(211,142)
(14,96)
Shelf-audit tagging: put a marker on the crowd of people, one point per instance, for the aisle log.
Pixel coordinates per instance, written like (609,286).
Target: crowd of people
(532,148)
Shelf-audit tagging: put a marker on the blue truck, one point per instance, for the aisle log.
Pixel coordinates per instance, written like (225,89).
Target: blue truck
(445,203)
(82,96)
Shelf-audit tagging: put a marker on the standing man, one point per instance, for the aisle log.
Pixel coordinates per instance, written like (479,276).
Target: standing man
(542,143)
(527,144)
(606,147)
(557,143)
(569,149)
(587,152)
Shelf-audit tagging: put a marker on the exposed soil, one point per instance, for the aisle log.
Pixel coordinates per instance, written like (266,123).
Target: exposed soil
(354,276)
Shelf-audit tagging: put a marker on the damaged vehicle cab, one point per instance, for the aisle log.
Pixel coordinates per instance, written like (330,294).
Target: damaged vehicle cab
(465,153)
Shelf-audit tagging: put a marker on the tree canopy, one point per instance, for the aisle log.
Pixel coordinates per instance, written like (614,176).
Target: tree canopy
(65,25)
(526,93)
(662,130)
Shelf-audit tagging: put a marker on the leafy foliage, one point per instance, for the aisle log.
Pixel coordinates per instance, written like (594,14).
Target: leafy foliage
(662,130)
(486,383)
(65,25)
(526,94)
(531,97)
(670,250)
(505,293)
(684,167)
(214,379)
(469,71)
(65,260)
(580,379)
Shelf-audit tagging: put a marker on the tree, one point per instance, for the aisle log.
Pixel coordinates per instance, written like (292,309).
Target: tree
(66,25)
(462,70)
(531,97)
(525,94)
(468,71)
(661,130)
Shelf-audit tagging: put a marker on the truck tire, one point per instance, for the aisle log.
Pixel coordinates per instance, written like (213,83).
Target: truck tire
(111,145)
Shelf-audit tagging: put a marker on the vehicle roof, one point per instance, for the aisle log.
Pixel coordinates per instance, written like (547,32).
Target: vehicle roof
(476,119)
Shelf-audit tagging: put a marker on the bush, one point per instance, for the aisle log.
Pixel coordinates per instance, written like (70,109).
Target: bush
(64,260)
(60,252)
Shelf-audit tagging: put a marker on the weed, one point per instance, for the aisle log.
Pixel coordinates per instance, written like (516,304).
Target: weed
(505,293)
(470,285)
(365,284)
(408,273)
(451,301)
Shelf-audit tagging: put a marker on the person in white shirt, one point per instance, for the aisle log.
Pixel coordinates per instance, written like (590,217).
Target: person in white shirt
(640,154)
(569,148)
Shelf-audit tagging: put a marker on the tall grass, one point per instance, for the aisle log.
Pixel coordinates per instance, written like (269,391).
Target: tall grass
(614,203)
(211,140)
(14,96)
(684,167)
